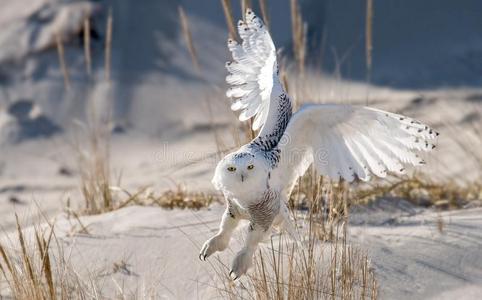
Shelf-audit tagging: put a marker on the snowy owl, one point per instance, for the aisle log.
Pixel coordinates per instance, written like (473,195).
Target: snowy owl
(341,141)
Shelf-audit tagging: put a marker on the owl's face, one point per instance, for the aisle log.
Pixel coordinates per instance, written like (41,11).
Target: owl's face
(238,172)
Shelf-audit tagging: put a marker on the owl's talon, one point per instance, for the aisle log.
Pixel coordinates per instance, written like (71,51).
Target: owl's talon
(241,263)
(214,244)
(233,276)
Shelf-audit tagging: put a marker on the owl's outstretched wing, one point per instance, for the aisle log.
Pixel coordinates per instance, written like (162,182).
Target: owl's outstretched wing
(349,142)
(253,71)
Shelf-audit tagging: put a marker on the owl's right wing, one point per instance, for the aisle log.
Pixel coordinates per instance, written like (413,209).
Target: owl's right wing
(253,71)
(344,141)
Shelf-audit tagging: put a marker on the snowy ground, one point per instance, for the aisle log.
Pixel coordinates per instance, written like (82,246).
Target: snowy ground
(146,251)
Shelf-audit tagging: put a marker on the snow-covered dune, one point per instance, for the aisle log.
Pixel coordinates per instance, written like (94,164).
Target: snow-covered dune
(143,252)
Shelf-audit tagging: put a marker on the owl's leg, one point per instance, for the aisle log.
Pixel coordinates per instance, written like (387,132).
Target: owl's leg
(220,240)
(287,223)
(244,258)
(261,214)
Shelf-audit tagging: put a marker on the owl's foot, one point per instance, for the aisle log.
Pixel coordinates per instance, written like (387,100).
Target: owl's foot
(241,263)
(216,243)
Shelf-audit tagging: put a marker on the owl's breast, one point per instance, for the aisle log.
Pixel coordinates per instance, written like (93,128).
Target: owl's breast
(260,210)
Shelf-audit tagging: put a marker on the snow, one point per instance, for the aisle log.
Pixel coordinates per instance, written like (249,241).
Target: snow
(28,27)
(158,250)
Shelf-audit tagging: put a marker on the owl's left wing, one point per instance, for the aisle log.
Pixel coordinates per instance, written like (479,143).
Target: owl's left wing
(344,141)
(252,71)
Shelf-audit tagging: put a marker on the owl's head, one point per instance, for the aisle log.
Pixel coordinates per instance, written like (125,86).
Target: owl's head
(240,171)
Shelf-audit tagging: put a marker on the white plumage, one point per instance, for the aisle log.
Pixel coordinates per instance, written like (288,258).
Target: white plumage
(341,141)
(344,141)
(251,72)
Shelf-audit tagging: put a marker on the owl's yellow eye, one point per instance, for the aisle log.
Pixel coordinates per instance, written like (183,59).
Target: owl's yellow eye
(231,169)
(250,167)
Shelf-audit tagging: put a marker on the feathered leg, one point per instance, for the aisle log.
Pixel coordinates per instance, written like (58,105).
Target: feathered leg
(261,215)
(287,223)
(220,241)
(244,258)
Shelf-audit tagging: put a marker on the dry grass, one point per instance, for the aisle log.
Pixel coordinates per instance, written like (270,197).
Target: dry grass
(422,191)
(228,14)
(32,272)
(179,197)
(417,189)
(108,45)
(368,43)
(186,32)
(369,36)
(87,50)
(62,62)
(263,6)
(93,155)
(314,271)
(299,34)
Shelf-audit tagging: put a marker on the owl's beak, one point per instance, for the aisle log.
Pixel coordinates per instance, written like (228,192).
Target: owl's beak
(242,177)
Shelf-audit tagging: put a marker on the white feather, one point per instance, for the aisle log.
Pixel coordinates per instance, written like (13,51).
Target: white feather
(252,71)
(359,141)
